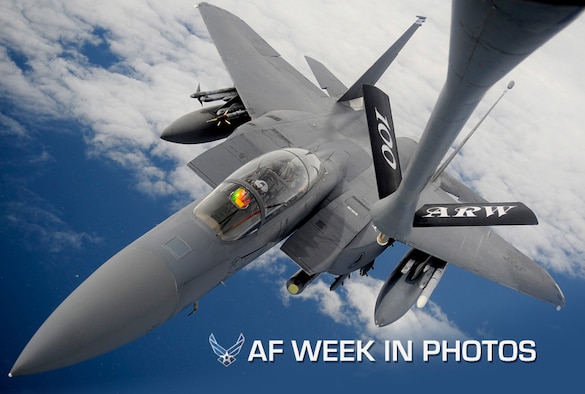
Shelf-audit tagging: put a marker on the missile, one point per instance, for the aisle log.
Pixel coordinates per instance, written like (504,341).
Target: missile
(430,287)
(407,266)
(225,94)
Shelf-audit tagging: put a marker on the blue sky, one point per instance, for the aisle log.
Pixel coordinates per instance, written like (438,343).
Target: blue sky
(86,89)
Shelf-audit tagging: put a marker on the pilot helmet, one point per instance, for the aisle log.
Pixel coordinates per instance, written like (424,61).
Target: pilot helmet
(260,185)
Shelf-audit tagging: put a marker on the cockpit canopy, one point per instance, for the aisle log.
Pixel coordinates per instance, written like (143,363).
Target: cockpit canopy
(257,191)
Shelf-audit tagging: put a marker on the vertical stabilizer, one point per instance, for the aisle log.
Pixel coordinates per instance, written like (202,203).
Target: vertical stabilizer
(374,73)
(383,140)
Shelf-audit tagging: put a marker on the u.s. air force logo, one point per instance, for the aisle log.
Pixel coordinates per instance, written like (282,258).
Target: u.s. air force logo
(226,357)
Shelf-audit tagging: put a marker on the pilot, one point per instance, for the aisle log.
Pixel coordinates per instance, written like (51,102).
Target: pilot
(261,186)
(285,170)
(292,175)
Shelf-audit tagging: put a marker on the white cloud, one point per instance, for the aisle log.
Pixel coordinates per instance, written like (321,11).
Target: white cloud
(125,107)
(43,228)
(528,150)
(353,305)
(9,126)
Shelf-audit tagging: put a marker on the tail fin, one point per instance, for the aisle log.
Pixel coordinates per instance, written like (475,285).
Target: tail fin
(383,140)
(374,73)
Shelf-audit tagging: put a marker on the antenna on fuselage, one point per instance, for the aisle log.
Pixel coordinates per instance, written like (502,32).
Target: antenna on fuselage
(460,146)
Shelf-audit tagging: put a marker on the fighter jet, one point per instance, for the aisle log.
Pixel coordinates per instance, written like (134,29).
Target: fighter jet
(324,172)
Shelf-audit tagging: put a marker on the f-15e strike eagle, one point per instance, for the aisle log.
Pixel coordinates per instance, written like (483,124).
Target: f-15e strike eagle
(331,179)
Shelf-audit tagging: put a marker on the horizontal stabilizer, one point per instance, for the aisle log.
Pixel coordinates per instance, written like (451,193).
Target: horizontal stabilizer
(374,73)
(475,214)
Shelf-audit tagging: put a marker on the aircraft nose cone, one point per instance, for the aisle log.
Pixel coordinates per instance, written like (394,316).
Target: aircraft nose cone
(129,295)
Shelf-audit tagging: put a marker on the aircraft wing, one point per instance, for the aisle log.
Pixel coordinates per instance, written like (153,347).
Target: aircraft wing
(479,249)
(263,79)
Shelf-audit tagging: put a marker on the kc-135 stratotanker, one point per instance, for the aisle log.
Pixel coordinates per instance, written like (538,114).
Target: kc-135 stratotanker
(305,164)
